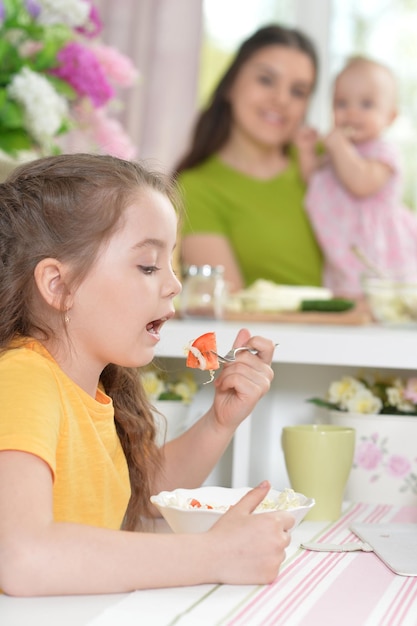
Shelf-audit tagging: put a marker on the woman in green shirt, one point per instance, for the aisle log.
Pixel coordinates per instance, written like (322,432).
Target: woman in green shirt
(240,178)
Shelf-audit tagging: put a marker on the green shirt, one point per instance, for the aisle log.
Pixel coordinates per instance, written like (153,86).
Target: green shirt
(264,221)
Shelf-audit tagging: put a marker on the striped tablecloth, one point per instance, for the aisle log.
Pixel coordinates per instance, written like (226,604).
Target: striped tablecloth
(312,589)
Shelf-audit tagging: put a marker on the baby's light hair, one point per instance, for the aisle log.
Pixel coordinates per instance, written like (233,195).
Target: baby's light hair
(358,60)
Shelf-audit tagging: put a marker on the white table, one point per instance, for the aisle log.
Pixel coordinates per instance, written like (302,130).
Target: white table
(306,360)
(347,589)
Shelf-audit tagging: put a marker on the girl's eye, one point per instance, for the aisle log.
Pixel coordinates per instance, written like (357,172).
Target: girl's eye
(149,269)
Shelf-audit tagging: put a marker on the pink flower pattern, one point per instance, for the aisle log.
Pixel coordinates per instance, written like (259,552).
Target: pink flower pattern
(368,455)
(398,466)
(371,454)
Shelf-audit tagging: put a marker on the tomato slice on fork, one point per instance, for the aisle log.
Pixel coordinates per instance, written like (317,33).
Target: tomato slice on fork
(200,353)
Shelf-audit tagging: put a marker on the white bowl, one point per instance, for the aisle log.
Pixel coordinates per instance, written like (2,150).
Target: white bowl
(182,518)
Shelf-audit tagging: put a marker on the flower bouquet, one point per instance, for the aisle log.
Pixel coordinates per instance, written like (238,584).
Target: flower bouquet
(56,79)
(380,396)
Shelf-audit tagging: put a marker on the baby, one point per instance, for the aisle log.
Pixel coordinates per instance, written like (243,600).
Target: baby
(354,188)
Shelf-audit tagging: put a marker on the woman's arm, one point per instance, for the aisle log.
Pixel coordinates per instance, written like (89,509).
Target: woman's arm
(211,249)
(41,557)
(361,177)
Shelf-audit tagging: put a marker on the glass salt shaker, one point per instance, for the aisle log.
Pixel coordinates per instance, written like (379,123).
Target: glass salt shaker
(204,292)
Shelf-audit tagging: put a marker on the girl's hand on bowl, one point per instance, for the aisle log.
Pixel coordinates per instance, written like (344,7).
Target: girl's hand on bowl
(246,548)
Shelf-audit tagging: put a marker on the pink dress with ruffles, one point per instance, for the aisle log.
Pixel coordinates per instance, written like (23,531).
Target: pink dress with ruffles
(379,225)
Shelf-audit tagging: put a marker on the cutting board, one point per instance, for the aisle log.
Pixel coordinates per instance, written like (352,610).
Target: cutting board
(357,316)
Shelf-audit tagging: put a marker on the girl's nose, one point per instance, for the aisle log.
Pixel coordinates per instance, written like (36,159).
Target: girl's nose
(175,285)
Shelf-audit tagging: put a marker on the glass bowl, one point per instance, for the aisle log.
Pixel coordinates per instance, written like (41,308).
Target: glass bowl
(392,301)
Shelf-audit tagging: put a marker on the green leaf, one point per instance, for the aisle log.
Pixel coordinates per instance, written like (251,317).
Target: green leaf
(12,141)
(169,395)
(323,403)
(11,115)
(62,87)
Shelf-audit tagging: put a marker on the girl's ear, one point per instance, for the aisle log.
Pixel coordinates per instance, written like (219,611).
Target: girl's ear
(50,277)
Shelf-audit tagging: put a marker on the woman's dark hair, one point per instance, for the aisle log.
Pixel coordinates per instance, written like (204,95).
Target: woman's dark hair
(213,124)
(66,207)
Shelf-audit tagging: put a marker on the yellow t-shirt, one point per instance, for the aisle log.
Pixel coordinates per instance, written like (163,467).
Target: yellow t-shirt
(45,413)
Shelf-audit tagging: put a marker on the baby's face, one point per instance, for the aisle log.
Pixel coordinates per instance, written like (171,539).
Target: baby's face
(364,101)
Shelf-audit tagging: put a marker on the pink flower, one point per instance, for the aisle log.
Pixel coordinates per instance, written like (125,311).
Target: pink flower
(94,26)
(118,67)
(410,391)
(368,456)
(95,127)
(82,70)
(398,466)
(109,134)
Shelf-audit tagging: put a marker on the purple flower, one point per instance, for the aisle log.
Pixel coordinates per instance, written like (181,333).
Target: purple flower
(398,466)
(368,456)
(2,11)
(81,69)
(33,8)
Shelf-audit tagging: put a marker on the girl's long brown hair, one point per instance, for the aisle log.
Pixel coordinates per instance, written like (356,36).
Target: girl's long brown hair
(65,207)
(213,125)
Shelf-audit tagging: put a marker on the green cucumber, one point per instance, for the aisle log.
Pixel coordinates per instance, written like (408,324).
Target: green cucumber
(334,305)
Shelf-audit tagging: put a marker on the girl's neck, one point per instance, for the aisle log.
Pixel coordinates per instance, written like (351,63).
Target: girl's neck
(76,368)
(255,160)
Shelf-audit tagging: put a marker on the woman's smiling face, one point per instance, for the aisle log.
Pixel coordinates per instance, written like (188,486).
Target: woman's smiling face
(118,309)
(270,95)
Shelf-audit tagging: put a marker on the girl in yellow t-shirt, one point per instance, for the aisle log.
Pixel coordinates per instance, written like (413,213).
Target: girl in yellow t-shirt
(86,286)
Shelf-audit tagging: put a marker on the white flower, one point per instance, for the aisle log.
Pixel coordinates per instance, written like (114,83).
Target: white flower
(364,401)
(74,13)
(186,389)
(341,391)
(396,399)
(152,384)
(44,109)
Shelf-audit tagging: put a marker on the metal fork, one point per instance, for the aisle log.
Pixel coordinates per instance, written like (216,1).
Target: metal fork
(231,355)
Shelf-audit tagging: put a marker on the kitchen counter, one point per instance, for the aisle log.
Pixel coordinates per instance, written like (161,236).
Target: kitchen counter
(360,346)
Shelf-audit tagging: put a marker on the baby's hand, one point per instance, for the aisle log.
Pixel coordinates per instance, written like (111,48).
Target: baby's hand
(337,137)
(306,138)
